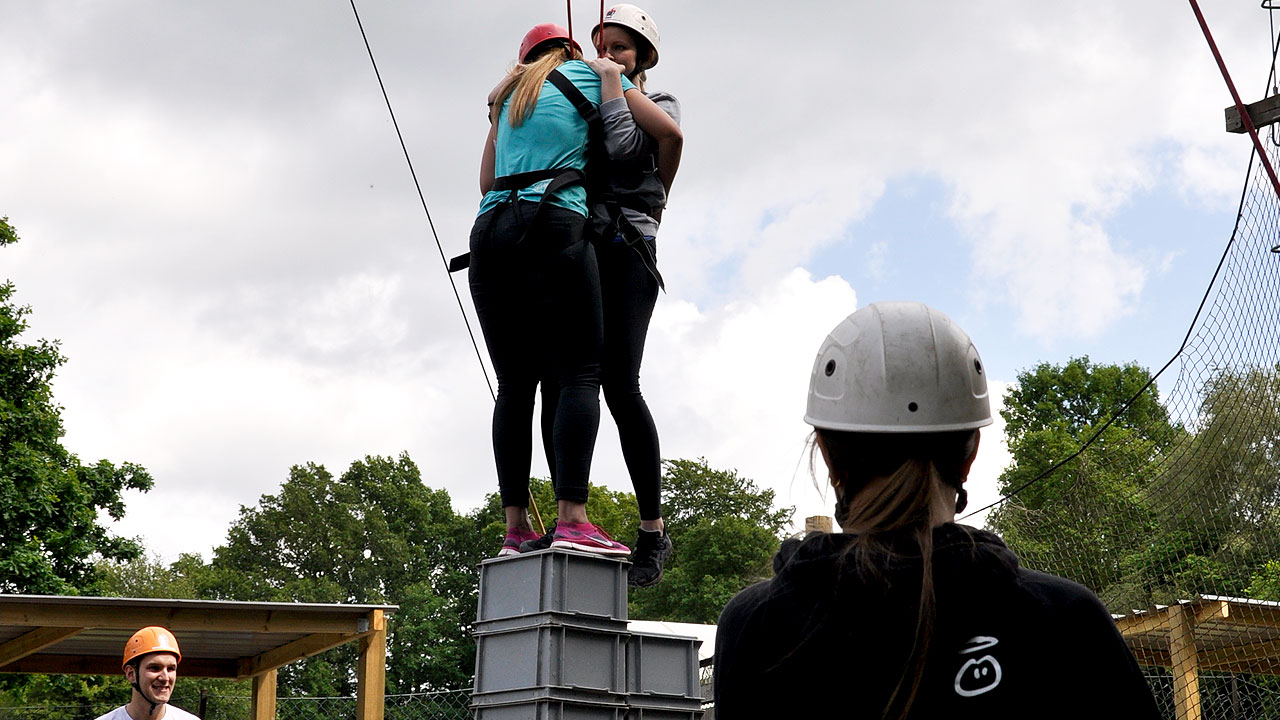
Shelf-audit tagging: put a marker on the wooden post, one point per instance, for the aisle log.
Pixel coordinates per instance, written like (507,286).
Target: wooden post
(264,696)
(817,524)
(371,674)
(1185,667)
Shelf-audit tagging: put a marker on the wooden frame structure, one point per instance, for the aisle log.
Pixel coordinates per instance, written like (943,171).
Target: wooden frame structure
(1262,113)
(56,634)
(1213,632)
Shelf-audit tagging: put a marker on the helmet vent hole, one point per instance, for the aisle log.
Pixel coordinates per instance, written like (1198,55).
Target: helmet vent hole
(830,369)
(912,407)
(977,365)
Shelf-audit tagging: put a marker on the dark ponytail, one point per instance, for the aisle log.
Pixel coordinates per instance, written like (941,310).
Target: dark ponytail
(886,488)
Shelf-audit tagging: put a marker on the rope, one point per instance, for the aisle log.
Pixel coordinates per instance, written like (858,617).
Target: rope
(533,504)
(569,11)
(422,198)
(1244,112)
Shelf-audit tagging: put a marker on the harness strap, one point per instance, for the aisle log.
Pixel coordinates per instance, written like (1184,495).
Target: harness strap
(598,190)
(560,178)
(632,236)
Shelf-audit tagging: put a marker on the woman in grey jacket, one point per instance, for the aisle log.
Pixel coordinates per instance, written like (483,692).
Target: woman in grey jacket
(624,231)
(639,180)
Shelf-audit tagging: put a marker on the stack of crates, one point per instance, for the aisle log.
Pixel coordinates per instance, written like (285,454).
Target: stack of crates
(552,644)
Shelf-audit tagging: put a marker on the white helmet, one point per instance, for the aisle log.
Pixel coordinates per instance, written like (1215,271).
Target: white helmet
(633,18)
(898,367)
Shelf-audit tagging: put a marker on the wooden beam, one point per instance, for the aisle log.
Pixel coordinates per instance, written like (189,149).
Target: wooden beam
(1241,655)
(179,619)
(371,673)
(289,652)
(1207,610)
(1186,672)
(1150,657)
(264,696)
(1262,113)
(48,664)
(33,642)
(1153,621)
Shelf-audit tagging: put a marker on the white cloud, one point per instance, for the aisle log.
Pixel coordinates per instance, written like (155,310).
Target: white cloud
(219,225)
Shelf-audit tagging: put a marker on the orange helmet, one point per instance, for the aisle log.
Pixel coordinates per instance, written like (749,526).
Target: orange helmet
(150,640)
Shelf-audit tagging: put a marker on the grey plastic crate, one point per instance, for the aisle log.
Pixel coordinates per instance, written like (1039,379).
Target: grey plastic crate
(546,693)
(521,622)
(545,655)
(641,713)
(550,710)
(663,665)
(658,707)
(554,580)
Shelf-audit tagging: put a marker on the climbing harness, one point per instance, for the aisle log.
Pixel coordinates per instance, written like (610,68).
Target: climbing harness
(597,188)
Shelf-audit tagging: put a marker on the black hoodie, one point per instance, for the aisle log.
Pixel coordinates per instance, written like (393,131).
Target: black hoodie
(822,640)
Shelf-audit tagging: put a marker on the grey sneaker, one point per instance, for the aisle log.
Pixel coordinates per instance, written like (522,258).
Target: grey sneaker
(541,543)
(652,550)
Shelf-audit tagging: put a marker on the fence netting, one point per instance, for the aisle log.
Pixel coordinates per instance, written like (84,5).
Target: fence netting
(1170,511)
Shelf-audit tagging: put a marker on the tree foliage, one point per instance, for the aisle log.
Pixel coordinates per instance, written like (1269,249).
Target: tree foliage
(50,502)
(374,535)
(725,530)
(1216,501)
(1093,503)
(1150,513)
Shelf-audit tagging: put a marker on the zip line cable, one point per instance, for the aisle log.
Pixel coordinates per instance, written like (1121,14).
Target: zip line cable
(533,505)
(422,198)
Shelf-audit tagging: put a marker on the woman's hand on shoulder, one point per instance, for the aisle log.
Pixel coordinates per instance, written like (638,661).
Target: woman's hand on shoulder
(605,67)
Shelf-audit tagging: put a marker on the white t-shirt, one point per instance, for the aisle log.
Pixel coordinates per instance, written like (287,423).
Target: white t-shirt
(171,712)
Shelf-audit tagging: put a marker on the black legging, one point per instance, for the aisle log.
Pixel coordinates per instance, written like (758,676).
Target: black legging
(629,293)
(539,308)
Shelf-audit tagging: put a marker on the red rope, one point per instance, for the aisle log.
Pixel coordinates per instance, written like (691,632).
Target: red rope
(569,8)
(600,46)
(1244,112)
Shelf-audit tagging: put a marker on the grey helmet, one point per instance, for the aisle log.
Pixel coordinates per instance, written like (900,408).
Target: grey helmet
(898,367)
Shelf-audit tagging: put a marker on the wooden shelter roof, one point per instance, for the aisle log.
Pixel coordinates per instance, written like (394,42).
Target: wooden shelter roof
(86,635)
(1230,634)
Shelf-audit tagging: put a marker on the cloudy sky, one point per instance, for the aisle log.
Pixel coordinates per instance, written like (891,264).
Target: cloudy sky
(218,224)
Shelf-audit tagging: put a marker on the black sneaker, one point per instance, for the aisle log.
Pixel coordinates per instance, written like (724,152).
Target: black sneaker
(652,550)
(541,543)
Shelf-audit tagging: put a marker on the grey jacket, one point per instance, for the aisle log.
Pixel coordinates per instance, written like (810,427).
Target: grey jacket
(635,155)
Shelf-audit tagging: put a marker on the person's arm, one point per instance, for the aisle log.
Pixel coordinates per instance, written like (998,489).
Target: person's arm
(663,129)
(610,74)
(488,158)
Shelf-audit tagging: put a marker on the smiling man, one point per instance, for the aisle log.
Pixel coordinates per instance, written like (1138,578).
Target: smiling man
(150,665)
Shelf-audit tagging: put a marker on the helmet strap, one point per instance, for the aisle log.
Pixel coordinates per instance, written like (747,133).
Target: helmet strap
(137,685)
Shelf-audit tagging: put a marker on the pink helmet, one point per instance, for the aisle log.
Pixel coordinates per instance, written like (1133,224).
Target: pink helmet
(540,34)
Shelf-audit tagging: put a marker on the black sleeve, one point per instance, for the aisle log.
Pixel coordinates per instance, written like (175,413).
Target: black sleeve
(737,656)
(1122,690)
(1107,679)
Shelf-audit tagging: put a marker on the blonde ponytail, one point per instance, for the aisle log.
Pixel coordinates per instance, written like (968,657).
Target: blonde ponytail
(524,84)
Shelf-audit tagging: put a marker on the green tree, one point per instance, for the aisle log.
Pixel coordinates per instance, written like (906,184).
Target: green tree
(1216,500)
(1082,519)
(50,533)
(374,535)
(725,530)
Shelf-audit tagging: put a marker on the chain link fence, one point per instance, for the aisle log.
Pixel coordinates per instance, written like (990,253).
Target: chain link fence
(443,705)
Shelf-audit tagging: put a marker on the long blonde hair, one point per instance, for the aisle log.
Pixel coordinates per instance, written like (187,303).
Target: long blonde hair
(524,83)
(886,485)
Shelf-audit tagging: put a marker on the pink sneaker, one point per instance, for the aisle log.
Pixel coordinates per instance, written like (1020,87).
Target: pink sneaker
(511,543)
(587,538)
